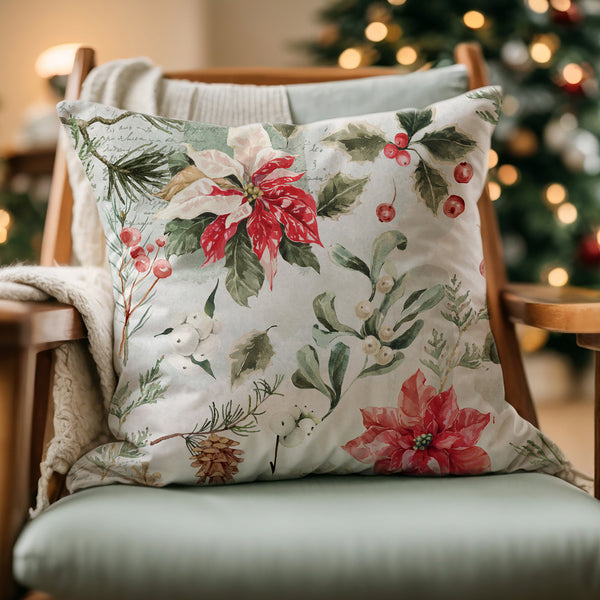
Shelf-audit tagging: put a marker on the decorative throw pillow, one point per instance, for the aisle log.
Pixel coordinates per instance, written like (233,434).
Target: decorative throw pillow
(297,299)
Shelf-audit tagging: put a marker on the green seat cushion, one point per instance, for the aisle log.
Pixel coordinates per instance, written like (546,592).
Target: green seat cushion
(511,536)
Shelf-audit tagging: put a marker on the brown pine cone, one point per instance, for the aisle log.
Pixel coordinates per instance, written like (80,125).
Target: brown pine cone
(216,460)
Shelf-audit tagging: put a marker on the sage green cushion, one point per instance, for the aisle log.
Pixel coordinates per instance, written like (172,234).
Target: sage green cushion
(327,100)
(517,536)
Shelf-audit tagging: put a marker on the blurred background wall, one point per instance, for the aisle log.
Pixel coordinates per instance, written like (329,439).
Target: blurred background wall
(176,34)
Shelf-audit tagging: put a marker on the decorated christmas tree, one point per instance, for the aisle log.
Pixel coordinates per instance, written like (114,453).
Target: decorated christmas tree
(545,162)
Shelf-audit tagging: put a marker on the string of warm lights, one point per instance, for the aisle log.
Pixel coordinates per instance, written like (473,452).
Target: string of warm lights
(5,221)
(540,52)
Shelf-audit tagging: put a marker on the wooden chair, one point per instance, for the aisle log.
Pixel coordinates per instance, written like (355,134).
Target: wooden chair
(29,331)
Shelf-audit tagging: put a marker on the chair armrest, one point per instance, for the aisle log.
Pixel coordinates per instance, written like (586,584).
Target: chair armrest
(38,325)
(559,309)
(28,332)
(563,310)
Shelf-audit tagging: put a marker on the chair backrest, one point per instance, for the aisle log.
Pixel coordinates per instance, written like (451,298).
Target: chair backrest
(56,246)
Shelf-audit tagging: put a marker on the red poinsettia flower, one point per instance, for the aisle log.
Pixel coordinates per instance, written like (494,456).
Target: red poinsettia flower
(256,184)
(426,435)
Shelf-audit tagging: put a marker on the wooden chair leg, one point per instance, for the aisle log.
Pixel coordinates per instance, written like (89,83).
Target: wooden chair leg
(597,424)
(18,391)
(592,342)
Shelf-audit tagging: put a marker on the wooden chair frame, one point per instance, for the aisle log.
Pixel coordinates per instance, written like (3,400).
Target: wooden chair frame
(29,331)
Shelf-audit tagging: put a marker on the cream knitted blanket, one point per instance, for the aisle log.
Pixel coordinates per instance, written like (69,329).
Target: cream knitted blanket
(84,377)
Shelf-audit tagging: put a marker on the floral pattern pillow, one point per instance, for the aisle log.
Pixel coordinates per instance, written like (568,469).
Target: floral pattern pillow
(300,299)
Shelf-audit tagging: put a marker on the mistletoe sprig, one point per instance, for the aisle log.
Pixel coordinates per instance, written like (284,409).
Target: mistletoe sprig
(382,339)
(240,420)
(459,311)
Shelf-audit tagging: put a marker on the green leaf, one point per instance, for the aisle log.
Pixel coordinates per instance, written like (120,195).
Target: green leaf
(381,369)
(324,308)
(430,185)
(183,235)
(286,130)
(490,350)
(338,363)
(165,332)
(394,294)
(427,299)
(339,196)
(382,246)
(298,253)
(324,338)
(471,357)
(372,324)
(308,375)
(408,337)
(251,353)
(245,274)
(178,161)
(412,120)
(447,144)
(204,364)
(413,298)
(495,96)
(209,305)
(346,259)
(361,141)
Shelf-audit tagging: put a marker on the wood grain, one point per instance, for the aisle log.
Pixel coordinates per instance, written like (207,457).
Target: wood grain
(560,309)
(56,242)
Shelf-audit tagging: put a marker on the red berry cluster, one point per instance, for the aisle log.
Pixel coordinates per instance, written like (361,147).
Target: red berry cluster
(131,237)
(455,205)
(142,263)
(397,150)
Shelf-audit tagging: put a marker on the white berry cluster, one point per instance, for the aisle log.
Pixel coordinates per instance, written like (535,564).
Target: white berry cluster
(293,426)
(372,345)
(196,337)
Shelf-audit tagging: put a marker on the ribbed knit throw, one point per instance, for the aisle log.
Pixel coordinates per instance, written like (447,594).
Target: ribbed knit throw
(84,378)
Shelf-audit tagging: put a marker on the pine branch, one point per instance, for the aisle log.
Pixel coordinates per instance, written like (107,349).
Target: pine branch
(238,420)
(150,391)
(544,454)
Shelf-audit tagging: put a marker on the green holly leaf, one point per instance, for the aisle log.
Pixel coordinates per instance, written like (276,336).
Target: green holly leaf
(381,369)
(382,246)
(245,274)
(308,375)
(346,259)
(447,144)
(338,363)
(251,353)
(298,253)
(286,130)
(183,235)
(413,120)
(209,305)
(324,307)
(360,140)
(430,185)
(340,195)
